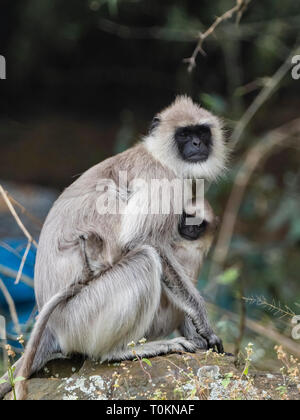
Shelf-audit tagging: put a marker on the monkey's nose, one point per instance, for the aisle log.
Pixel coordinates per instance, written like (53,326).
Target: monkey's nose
(196,142)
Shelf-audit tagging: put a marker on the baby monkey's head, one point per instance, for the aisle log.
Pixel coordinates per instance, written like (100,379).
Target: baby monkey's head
(204,229)
(194,241)
(189,140)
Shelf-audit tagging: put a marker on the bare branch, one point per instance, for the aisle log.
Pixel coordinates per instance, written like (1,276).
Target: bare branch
(274,307)
(23,262)
(253,159)
(13,212)
(24,230)
(30,216)
(265,331)
(270,86)
(238,9)
(9,272)
(11,306)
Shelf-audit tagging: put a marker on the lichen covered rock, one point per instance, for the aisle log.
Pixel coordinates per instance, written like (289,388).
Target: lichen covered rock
(206,376)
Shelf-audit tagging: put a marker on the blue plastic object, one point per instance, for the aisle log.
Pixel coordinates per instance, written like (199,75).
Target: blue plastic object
(11,252)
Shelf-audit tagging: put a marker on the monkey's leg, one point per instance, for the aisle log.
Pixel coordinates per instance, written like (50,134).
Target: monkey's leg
(47,348)
(94,316)
(185,296)
(115,308)
(154,348)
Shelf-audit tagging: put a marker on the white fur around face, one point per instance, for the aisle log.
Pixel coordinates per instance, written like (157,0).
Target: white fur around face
(161,143)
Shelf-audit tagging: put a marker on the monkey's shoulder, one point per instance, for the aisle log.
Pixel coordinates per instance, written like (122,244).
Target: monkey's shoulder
(136,162)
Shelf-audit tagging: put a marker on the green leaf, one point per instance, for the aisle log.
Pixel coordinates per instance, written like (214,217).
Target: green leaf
(19,379)
(246,371)
(147,361)
(229,276)
(226,380)
(3,381)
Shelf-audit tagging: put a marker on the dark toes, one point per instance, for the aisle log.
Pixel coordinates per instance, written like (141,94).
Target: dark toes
(215,344)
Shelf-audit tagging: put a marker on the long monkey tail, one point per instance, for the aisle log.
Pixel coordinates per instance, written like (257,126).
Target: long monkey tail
(36,336)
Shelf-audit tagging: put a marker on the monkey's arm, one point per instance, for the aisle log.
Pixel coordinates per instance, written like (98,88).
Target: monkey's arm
(186,297)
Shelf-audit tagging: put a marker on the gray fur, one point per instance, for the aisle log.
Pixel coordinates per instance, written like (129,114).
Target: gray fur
(97,300)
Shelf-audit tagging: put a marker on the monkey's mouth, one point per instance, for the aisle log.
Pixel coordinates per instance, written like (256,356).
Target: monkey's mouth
(197,157)
(196,151)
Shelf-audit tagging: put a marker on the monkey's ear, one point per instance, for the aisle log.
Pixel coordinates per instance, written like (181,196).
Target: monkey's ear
(154,123)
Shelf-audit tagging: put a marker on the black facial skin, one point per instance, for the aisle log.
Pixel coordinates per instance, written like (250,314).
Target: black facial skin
(191,232)
(194,142)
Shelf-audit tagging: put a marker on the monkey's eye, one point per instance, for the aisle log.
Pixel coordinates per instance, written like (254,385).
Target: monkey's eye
(154,123)
(182,134)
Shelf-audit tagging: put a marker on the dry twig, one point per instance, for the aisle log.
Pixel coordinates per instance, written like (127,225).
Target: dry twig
(9,272)
(30,216)
(253,159)
(11,306)
(13,212)
(237,10)
(270,86)
(274,307)
(265,331)
(22,227)
(20,271)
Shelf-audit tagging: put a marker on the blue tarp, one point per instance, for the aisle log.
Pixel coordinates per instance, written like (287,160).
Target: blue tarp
(11,252)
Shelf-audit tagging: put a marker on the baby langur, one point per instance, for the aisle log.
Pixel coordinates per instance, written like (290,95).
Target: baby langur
(102,277)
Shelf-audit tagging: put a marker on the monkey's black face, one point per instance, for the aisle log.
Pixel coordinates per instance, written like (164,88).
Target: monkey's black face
(194,142)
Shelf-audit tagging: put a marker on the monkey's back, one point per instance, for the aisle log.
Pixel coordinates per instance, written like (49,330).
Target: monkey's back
(75,213)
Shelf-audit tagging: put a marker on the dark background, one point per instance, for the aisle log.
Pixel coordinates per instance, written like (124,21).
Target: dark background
(79,72)
(84,78)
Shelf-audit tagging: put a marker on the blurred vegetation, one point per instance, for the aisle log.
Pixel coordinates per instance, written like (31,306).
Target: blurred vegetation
(85,77)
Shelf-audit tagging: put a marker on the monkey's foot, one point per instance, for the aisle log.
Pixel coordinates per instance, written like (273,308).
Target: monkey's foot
(154,348)
(215,343)
(180,344)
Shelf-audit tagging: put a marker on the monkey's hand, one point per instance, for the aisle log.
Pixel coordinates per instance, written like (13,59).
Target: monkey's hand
(90,247)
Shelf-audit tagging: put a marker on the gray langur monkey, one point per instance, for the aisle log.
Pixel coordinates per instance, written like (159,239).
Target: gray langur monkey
(100,279)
